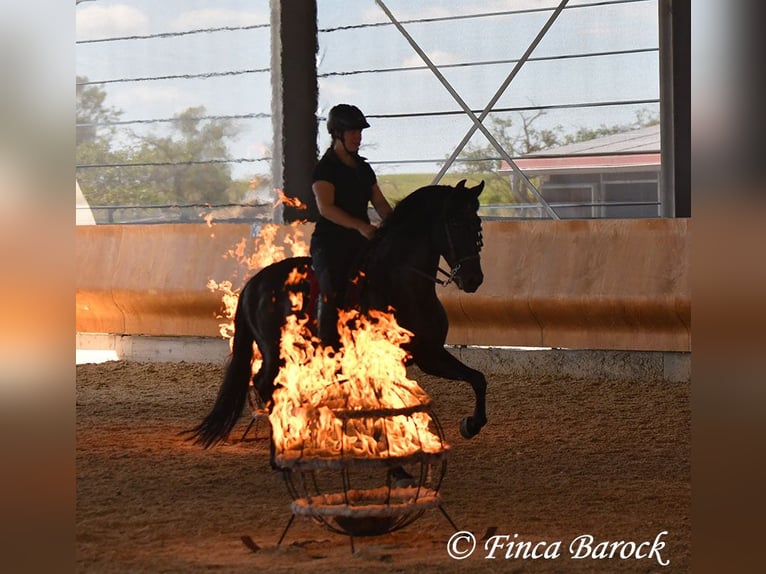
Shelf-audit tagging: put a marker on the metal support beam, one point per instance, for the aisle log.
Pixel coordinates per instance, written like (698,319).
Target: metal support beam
(293,104)
(501,90)
(675,107)
(466,108)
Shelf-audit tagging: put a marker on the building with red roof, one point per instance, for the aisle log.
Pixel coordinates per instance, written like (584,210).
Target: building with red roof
(608,177)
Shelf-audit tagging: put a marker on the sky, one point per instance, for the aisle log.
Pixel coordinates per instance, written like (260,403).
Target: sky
(565,81)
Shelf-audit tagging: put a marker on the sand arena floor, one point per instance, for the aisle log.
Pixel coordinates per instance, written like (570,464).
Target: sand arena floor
(558,459)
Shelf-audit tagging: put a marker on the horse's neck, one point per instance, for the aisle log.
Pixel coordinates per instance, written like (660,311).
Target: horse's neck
(423,259)
(399,256)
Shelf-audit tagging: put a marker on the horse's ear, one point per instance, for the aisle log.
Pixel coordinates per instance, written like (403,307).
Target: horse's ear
(460,184)
(478,189)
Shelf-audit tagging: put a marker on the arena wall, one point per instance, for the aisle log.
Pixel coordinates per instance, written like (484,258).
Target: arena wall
(584,284)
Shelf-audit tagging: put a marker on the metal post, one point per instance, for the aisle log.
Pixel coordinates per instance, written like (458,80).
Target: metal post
(667,175)
(675,115)
(294,103)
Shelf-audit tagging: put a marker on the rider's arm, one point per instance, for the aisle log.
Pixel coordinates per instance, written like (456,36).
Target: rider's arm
(324,191)
(380,203)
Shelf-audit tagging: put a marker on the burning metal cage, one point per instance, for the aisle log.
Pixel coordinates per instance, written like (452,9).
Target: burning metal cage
(366,495)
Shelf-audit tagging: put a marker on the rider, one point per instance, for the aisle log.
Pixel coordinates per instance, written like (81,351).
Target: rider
(343,184)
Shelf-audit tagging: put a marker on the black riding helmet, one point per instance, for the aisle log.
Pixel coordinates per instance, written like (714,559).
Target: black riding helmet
(345,117)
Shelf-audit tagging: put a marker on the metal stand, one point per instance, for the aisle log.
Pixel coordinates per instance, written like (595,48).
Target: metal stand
(284,532)
(253,424)
(257,413)
(351,538)
(447,516)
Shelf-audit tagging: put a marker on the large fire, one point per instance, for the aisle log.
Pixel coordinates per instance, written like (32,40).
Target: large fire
(252,255)
(357,403)
(349,427)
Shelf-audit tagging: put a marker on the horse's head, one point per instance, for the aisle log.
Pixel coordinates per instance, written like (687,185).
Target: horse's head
(461,236)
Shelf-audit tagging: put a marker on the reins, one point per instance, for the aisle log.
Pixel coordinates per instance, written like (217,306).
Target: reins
(450,274)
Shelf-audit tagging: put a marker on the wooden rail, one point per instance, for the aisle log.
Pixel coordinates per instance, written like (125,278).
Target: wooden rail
(587,284)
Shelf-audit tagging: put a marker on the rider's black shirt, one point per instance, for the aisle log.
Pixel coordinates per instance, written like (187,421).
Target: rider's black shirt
(353,192)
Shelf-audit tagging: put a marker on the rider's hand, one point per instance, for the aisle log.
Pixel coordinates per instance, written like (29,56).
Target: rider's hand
(367,230)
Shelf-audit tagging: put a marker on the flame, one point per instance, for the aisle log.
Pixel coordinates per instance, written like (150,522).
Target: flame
(289,201)
(229,300)
(264,249)
(252,256)
(358,403)
(208,217)
(296,297)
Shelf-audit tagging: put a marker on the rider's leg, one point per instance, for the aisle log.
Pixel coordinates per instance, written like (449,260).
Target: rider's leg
(327,322)
(327,311)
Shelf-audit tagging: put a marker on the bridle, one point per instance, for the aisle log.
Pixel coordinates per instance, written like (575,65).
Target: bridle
(457,262)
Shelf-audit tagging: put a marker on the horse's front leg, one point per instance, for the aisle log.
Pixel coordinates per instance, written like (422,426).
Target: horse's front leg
(441,363)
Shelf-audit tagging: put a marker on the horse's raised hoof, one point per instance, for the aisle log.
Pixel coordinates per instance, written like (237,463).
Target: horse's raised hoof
(468,429)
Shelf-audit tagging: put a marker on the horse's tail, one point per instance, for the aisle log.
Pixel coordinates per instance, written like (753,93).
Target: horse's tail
(220,421)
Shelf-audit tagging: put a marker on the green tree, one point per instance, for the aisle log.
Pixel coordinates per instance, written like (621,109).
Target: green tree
(484,162)
(644,118)
(92,114)
(190,161)
(186,165)
(94,135)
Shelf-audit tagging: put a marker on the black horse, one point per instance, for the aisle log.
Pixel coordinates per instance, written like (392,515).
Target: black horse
(399,271)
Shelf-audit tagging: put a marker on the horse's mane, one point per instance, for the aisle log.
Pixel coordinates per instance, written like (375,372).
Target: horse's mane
(409,219)
(414,210)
